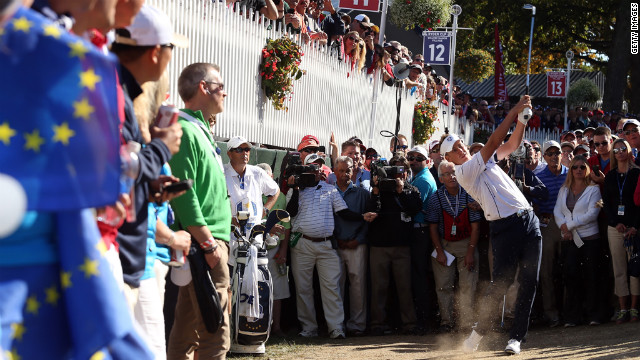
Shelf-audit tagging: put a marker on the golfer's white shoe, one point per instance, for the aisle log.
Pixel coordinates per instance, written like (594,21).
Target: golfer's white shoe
(513,347)
(472,342)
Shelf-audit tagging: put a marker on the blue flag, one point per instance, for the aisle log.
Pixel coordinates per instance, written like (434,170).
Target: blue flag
(59,119)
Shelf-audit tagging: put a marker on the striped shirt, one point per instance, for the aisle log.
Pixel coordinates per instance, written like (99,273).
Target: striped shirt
(553,184)
(316,206)
(438,202)
(491,187)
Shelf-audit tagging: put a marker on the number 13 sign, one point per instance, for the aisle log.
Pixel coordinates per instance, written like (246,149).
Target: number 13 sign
(436,47)
(556,84)
(365,5)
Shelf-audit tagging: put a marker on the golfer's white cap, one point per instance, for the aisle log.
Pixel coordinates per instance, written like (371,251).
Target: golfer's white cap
(447,143)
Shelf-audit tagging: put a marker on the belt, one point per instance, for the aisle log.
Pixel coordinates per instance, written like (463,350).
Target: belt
(519,213)
(315,239)
(419,225)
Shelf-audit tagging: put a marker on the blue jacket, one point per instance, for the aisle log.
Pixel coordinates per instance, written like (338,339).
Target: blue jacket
(426,184)
(357,200)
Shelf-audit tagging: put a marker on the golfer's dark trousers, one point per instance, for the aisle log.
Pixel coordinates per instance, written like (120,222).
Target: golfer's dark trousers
(516,241)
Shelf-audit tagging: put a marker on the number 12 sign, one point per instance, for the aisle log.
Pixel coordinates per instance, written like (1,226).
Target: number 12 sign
(556,84)
(436,47)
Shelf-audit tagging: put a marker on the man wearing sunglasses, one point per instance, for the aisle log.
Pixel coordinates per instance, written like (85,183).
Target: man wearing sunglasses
(421,276)
(310,145)
(630,128)
(401,145)
(599,162)
(204,211)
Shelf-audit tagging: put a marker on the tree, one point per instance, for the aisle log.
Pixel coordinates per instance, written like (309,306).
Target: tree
(589,28)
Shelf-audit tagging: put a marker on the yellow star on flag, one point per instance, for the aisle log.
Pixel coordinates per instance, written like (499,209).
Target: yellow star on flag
(1,31)
(78,49)
(52,295)
(98,356)
(18,331)
(22,24)
(33,305)
(62,133)
(12,355)
(52,30)
(6,133)
(82,109)
(89,79)
(101,247)
(90,267)
(33,141)
(65,279)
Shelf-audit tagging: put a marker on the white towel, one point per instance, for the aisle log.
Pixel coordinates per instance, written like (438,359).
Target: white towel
(249,306)
(576,238)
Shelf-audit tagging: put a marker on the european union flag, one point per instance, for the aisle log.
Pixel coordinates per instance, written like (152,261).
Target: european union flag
(59,120)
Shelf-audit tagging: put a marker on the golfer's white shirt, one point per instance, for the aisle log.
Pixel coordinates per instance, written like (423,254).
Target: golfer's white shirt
(246,193)
(491,187)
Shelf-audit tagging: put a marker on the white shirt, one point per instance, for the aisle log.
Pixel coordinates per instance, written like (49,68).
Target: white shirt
(491,187)
(316,206)
(246,192)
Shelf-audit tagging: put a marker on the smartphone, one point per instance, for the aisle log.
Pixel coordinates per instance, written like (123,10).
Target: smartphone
(322,149)
(179,186)
(595,168)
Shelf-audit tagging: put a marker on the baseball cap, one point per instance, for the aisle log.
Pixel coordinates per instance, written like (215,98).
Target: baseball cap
(590,114)
(549,144)
(416,66)
(475,145)
(631,122)
(150,27)
(313,158)
(581,147)
(308,140)
(599,112)
(447,143)
(569,144)
(371,151)
(357,139)
(420,150)
(363,20)
(236,141)
(433,144)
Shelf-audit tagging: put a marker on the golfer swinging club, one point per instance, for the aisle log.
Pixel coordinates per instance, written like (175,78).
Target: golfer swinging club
(515,230)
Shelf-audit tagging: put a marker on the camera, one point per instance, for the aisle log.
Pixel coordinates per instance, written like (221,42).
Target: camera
(519,159)
(304,175)
(386,174)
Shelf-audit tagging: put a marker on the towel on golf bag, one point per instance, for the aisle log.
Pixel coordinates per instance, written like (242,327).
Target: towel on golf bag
(249,298)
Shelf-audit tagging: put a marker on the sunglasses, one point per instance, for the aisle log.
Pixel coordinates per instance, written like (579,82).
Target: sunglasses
(581,167)
(619,131)
(373,156)
(604,143)
(402,147)
(240,150)
(310,150)
(536,149)
(417,158)
(170,46)
(353,38)
(220,85)
(629,132)
(620,150)
(552,153)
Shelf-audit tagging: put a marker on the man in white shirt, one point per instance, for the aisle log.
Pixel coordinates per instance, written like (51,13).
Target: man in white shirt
(509,214)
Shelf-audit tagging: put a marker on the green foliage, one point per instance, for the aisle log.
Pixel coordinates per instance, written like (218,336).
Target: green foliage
(481,135)
(583,91)
(426,14)
(279,67)
(424,118)
(474,65)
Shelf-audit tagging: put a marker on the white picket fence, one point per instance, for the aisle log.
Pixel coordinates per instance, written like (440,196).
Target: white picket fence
(330,97)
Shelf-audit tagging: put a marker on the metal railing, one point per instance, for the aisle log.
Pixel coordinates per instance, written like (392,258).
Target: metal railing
(330,97)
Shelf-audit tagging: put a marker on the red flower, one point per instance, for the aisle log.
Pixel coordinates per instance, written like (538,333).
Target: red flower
(428,20)
(438,21)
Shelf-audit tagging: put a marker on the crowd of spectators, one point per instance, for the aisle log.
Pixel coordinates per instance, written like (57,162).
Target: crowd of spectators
(405,222)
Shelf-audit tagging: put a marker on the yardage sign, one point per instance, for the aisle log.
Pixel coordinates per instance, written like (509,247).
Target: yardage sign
(556,84)
(366,5)
(436,47)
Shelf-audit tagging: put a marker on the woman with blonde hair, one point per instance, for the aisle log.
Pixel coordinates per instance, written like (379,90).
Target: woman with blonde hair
(576,213)
(355,49)
(623,218)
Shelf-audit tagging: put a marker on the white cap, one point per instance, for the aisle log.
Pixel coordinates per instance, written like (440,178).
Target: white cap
(420,150)
(447,143)
(632,122)
(311,158)
(151,27)
(236,141)
(549,144)
(433,144)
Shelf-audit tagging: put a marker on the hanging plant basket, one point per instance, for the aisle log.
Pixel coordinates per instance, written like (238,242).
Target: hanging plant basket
(474,65)
(425,14)
(279,68)
(425,117)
